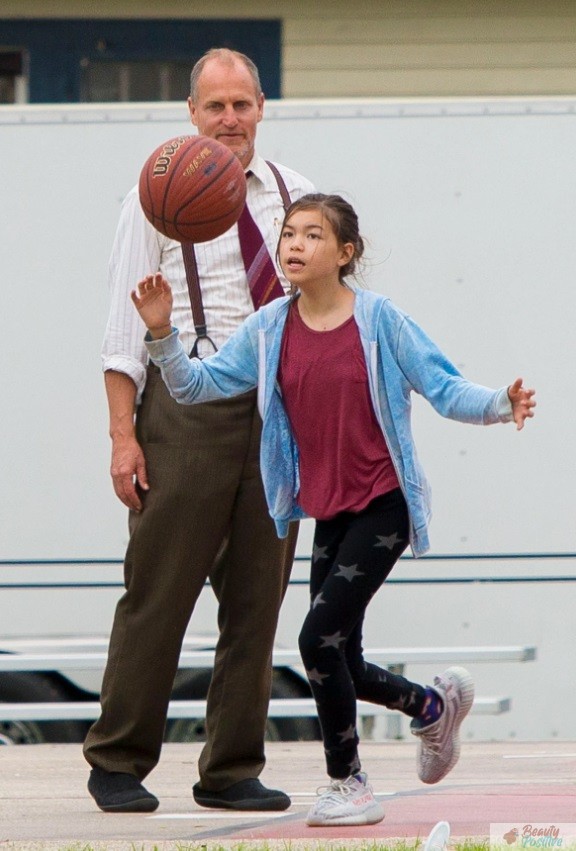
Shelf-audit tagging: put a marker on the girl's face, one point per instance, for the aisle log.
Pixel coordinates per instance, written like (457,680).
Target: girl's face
(309,252)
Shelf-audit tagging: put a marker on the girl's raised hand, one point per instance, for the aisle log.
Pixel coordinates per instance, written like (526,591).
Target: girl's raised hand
(153,301)
(522,402)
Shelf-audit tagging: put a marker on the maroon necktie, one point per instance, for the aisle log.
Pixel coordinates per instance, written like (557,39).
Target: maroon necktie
(262,277)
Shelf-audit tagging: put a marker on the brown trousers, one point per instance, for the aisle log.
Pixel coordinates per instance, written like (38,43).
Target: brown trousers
(205,500)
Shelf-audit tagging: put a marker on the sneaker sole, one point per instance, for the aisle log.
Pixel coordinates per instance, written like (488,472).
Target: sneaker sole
(371,816)
(466,686)
(143,805)
(466,689)
(245,805)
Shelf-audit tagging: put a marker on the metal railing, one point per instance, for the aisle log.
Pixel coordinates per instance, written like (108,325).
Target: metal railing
(393,657)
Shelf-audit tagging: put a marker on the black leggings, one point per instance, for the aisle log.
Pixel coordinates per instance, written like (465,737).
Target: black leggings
(352,556)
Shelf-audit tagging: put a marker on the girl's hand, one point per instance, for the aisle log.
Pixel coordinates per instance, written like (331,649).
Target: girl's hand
(153,301)
(522,402)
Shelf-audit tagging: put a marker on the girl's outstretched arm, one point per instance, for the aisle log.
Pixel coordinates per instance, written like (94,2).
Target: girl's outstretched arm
(522,402)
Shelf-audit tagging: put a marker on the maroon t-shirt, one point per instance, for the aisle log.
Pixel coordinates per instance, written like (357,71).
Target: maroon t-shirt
(344,460)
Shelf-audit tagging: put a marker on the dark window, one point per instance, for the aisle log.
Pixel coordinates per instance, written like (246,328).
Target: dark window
(134,81)
(11,67)
(95,60)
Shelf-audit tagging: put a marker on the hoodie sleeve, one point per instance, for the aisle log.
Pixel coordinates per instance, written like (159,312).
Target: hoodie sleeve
(433,376)
(229,372)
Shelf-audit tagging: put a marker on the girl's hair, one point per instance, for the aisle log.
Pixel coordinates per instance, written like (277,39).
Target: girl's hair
(343,220)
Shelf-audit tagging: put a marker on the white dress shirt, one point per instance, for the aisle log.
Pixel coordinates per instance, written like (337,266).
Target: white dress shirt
(140,250)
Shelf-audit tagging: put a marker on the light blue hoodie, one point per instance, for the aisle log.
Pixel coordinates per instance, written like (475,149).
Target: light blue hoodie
(400,358)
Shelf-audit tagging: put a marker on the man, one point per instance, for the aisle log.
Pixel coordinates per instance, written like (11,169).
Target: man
(191,479)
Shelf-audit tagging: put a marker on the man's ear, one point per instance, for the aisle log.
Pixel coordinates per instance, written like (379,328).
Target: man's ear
(192,112)
(260,106)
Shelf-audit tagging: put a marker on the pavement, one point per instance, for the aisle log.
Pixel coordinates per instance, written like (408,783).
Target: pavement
(44,803)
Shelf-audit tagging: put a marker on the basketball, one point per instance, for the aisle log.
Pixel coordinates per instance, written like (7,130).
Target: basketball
(192,188)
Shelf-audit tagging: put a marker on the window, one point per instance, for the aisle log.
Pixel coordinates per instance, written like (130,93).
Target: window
(90,60)
(13,88)
(134,81)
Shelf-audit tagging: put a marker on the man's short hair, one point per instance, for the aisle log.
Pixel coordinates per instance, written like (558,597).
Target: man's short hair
(229,57)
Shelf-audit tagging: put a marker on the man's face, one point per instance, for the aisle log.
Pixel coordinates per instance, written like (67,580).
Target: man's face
(227,107)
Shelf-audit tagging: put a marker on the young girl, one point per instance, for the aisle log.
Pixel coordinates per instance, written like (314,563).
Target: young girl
(335,367)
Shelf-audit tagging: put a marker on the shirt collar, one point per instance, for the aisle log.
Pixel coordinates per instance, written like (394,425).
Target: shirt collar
(262,173)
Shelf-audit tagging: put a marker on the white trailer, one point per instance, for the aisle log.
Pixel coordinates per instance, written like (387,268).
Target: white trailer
(468,210)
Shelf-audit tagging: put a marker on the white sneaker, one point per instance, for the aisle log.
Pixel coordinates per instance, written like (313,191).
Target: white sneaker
(439,742)
(347,801)
(438,838)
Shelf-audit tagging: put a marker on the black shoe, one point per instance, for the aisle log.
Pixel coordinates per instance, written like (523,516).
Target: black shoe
(246,795)
(117,792)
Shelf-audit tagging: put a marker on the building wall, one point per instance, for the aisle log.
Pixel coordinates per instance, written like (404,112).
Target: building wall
(442,48)
(387,47)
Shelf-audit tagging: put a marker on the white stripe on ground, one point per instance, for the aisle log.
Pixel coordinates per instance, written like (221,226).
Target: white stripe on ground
(539,756)
(315,794)
(213,816)
(250,814)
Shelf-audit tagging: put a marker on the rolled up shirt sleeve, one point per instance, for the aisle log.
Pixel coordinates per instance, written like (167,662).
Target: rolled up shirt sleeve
(135,253)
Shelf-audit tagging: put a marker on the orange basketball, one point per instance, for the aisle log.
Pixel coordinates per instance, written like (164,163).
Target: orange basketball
(192,188)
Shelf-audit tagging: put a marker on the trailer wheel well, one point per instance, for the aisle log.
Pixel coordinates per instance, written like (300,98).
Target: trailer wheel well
(39,688)
(193,685)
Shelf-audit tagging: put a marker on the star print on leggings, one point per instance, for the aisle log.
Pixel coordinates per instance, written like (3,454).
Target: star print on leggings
(334,640)
(314,676)
(388,541)
(318,553)
(318,600)
(347,735)
(354,766)
(404,702)
(350,573)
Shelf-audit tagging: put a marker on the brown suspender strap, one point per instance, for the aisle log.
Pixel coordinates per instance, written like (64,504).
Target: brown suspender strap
(286,200)
(193,280)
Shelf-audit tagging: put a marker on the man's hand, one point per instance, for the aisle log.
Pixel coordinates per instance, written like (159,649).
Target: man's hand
(153,301)
(522,402)
(128,467)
